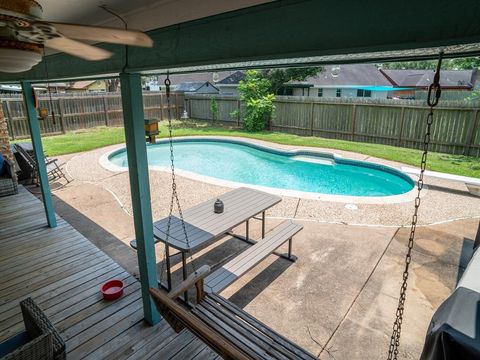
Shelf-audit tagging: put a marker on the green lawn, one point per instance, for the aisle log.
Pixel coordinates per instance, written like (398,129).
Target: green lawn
(95,138)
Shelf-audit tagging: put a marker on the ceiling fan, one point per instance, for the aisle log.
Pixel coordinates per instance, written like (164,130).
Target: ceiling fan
(23,35)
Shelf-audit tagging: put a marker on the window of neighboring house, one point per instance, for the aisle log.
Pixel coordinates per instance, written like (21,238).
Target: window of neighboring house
(320,92)
(339,93)
(364,93)
(288,91)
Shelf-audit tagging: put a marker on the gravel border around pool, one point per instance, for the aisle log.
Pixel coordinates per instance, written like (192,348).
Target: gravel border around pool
(444,201)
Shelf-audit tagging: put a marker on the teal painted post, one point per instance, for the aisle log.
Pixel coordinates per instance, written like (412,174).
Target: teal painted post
(133,118)
(38,149)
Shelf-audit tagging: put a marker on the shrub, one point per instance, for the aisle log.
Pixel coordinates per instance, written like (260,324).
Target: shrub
(255,93)
(214,108)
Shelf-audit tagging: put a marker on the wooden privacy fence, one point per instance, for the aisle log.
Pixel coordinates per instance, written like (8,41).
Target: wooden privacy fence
(84,111)
(456,128)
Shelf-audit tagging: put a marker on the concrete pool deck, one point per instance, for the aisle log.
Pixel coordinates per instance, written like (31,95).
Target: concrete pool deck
(341,294)
(86,167)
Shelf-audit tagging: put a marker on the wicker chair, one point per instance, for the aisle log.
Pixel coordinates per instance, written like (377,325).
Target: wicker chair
(45,341)
(8,181)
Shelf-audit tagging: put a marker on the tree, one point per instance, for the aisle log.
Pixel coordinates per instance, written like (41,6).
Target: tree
(112,84)
(465,63)
(279,77)
(447,64)
(255,92)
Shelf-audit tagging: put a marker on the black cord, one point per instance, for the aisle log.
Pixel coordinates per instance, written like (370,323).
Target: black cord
(104,7)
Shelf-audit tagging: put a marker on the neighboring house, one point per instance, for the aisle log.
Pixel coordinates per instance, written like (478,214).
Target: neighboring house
(88,85)
(10,89)
(177,79)
(342,81)
(229,85)
(456,84)
(53,87)
(153,85)
(201,87)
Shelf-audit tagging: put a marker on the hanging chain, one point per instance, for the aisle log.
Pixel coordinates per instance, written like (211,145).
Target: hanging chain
(48,87)
(434,93)
(174,198)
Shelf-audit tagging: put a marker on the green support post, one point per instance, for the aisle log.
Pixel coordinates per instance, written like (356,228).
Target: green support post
(132,102)
(34,127)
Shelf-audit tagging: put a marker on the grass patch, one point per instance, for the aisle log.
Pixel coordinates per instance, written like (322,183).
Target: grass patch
(89,139)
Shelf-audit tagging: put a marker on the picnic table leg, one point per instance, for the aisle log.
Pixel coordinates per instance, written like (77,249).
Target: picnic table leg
(247,238)
(169,273)
(290,249)
(184,269)
(263,225)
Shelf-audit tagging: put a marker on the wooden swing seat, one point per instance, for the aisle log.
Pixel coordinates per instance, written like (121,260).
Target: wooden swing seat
(224,327)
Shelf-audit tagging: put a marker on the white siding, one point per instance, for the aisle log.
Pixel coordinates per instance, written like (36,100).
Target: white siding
(228,90)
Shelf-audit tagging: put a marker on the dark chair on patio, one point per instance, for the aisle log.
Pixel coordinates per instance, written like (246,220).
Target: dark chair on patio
(8,179)
(53,169)
(40,340)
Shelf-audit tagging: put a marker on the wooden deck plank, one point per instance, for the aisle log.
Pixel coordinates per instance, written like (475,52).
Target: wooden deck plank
(172,348)
(132,342)
(55,313)
(206,354)
(62,271)
(49,291)
(64,293)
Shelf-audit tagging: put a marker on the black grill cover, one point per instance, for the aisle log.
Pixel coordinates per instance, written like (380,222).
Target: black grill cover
(454,332)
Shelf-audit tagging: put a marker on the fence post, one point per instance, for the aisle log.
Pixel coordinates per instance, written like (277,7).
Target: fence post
(105,109)
(471,132)
(161,106)
(177,107)
(311,118)
(10,127)
(400,133)
(61,111)
(354,114)
(238,113)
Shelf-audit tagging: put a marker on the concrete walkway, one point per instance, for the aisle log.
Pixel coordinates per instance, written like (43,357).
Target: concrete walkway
(338,300)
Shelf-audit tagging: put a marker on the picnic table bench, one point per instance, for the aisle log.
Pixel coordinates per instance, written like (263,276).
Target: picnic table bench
(234,269)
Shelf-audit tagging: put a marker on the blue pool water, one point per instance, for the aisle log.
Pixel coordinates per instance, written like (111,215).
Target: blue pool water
(250,164)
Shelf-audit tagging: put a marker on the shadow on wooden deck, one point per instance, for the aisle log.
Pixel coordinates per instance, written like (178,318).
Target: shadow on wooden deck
(62,271)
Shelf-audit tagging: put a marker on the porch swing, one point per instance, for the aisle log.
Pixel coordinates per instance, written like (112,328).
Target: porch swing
(229,330)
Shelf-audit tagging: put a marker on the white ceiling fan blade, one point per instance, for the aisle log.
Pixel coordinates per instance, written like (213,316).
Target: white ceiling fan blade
(76,48)
(104,34)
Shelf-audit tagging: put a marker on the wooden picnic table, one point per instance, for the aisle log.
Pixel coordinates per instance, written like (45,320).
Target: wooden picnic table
(203,226)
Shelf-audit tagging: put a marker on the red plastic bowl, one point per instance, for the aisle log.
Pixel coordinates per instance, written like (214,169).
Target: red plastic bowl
(112,289)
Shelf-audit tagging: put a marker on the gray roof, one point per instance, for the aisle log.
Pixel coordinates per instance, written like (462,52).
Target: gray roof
(423,78)
(194,77)
(189,86)
(351,74)
(232,79)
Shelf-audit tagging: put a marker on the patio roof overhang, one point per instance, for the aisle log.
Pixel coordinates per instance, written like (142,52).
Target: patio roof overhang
(289,32)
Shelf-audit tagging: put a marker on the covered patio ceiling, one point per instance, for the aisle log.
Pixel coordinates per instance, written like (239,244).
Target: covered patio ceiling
(228,34)
(140,14)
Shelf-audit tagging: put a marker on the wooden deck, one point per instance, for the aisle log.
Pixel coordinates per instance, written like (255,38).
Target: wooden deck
(62,271)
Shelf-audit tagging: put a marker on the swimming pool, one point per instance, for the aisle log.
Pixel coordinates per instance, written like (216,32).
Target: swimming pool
(248,163)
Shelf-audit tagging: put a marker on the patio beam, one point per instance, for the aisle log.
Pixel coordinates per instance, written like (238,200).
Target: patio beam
(132,103)
(28,98)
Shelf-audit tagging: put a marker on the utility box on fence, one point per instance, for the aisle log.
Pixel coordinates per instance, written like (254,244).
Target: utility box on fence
(151,130)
